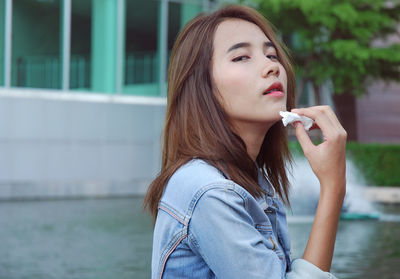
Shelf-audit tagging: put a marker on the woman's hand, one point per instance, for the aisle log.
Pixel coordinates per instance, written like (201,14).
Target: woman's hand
(328,159)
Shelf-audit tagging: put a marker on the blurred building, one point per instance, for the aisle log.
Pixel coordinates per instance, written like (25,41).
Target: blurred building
(375,116)
(82,93)
(371,118)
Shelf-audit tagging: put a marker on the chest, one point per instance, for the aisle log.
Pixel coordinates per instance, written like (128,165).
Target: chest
(273,226)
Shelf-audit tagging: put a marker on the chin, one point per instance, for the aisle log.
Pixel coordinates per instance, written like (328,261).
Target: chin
(272,118)
(277,117)
(276,113)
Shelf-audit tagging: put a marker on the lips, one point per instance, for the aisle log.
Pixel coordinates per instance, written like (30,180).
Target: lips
(275,87)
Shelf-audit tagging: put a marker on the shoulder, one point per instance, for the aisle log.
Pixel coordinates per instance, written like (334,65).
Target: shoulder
(191,181)
(192,177)
(196,170)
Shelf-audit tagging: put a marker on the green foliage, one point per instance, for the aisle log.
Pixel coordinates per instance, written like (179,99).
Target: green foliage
(379,163)
(336,39)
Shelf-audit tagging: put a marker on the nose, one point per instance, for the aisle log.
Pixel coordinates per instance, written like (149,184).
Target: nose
(271,68)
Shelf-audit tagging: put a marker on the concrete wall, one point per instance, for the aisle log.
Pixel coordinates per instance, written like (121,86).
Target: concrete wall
(55,144)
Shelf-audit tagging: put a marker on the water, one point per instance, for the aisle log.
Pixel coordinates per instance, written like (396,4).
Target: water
(74,239)
(364,249)
(111,238)
(305,189)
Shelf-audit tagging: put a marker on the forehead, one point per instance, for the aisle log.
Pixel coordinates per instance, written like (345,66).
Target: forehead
(232,31)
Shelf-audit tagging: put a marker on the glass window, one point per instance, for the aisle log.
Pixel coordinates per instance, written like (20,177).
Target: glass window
(178,15)
(36,51)
(141,74)
(143,39)
(174,24)
(80,62)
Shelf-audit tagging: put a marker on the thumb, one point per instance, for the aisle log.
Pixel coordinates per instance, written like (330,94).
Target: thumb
(302,136)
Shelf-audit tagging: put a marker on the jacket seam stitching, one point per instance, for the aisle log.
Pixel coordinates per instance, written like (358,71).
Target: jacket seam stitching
(198,195)
(169,253)
(172,209)
(192,239)
(209,187)
(170,212)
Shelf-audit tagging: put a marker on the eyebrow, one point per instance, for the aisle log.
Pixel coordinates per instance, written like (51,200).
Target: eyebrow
(245,44)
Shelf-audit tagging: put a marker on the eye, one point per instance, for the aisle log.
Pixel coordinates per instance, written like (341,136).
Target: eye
(273,57)
(241,58)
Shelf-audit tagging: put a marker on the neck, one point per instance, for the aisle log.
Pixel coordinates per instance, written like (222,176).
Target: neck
(253,136)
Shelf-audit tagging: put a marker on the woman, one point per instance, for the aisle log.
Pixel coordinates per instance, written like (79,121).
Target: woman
(218,201)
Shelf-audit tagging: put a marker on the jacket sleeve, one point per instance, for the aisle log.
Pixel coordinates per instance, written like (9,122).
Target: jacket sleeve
(222,232)
(304,269)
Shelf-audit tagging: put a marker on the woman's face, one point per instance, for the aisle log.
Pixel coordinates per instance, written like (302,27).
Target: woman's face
(244,67)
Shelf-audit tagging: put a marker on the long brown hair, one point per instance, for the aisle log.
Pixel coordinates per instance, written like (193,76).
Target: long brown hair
(196,125)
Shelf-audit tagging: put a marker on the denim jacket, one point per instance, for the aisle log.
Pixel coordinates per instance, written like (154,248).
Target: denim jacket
(207,226)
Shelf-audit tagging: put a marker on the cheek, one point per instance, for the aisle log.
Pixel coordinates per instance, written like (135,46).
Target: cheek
(232,85)
(233,81)
(283,76)
(284,80)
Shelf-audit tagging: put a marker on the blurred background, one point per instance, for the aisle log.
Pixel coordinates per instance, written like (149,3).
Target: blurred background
(82,104)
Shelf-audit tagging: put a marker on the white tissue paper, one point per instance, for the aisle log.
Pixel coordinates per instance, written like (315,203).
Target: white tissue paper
(290,117)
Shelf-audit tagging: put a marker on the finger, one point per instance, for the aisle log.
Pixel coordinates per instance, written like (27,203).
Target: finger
(327,110)
(339,127)
(334,118)
(321,118)
(314,126)
(303,138)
